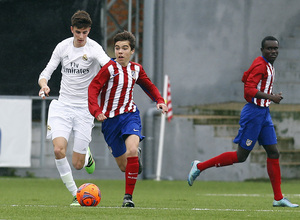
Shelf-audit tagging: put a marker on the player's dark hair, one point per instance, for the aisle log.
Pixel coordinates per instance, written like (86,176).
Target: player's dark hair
(268,38)
(123,36)
(81,19)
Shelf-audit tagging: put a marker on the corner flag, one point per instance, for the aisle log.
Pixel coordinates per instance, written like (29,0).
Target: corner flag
(169,101)
(169,115)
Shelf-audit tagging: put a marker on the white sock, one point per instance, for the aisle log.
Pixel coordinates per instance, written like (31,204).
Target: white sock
(69,183)
(65,172)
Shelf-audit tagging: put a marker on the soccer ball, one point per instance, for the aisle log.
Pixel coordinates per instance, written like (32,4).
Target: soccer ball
(88,194)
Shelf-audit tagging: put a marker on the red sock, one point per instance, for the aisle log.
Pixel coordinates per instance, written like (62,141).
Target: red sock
(224,159)
(275,177)
(131,174)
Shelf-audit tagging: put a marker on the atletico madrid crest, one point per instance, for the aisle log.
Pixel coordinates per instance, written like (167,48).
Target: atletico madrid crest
(133,74)
(248,142)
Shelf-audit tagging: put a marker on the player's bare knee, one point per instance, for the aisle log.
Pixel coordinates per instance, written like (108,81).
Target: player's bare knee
(274,155)
(78,165)
(242,158)
(59,152)
(272,151)
(132,152)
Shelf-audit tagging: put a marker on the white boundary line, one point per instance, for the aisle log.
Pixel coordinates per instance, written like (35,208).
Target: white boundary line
(251,195)
(279,209)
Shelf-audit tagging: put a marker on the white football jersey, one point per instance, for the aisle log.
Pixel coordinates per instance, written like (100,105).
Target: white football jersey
(79,67)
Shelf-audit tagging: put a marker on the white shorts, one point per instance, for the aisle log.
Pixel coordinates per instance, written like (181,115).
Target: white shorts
(63,119)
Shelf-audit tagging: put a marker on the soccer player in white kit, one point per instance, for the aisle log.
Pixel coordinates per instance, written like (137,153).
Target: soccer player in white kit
(81,59)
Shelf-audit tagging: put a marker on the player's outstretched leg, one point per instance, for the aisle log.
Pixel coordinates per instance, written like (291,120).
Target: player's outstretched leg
(127,202)
(90,167)
(75,202)
(284,203)
(66,176)
(140,160)
(194,172)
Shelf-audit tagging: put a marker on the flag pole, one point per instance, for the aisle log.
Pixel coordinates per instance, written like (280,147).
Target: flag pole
(162,132)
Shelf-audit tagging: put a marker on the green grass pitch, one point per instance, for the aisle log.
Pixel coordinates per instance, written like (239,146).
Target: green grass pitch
(34,198)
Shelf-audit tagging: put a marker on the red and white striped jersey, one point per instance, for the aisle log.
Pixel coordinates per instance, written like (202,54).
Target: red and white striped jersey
(259,77)
(114,86)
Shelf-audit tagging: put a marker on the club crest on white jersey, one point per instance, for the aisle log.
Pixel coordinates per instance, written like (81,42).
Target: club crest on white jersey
(84,57)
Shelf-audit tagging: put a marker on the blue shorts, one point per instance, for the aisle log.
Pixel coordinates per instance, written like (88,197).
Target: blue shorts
(255,125)
(118,128)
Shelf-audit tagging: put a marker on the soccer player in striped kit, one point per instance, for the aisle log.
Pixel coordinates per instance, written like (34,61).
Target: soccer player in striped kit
(81,59)
(116,109)
(255,122)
